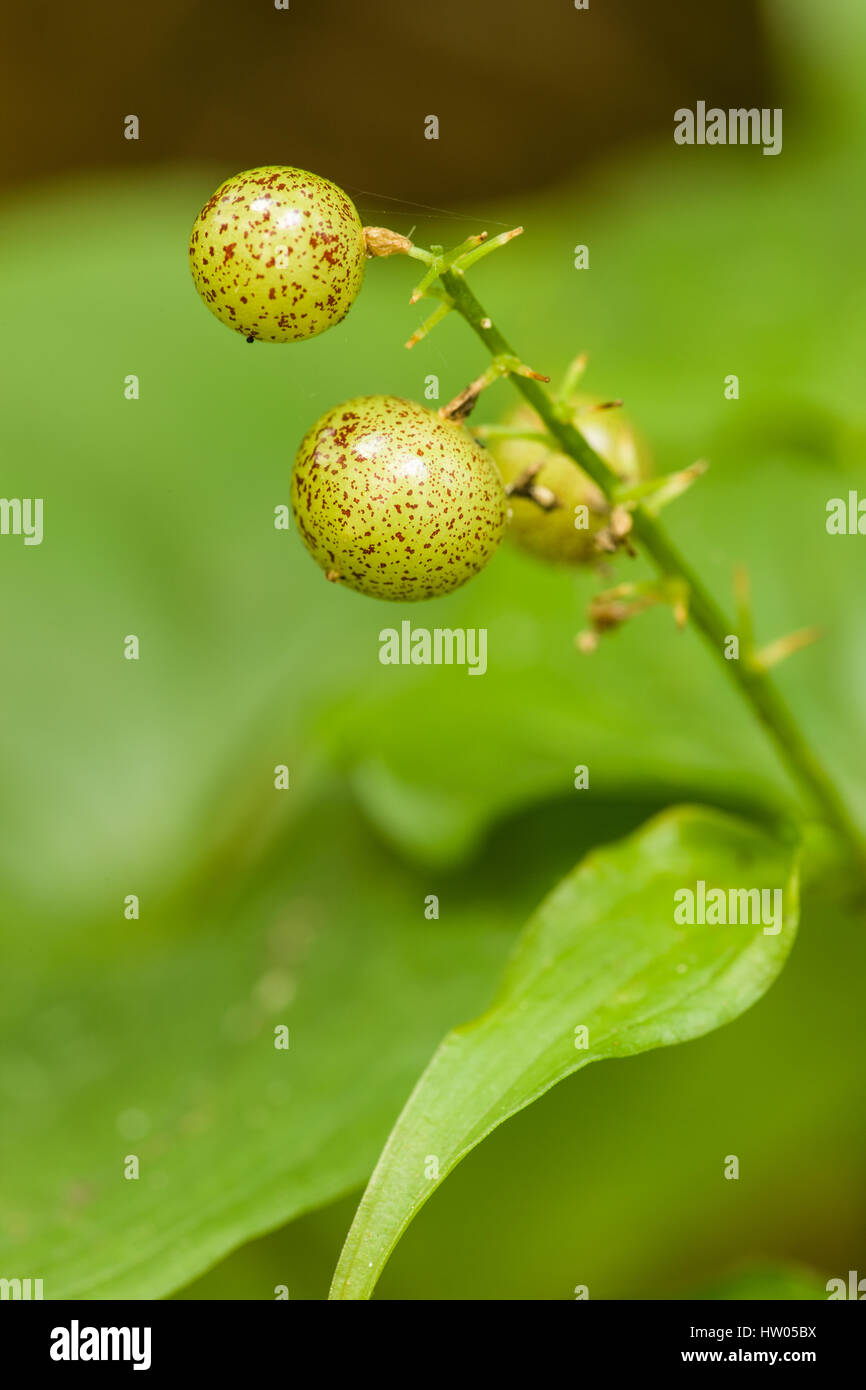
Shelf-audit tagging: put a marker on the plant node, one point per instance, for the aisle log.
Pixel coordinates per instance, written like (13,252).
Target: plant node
(502,365)
(611,537)
(525,486)
(613,607)
(381,241)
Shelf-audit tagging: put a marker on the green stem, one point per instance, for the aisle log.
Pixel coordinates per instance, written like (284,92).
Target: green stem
(759,690)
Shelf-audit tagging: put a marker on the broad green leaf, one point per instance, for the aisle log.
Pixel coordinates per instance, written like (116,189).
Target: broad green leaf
(155,1037)
(601,954)
(615,1179)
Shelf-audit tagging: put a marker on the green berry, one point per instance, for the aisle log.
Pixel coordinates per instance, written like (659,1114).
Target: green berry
(553,535)
(278,254)
(394,501)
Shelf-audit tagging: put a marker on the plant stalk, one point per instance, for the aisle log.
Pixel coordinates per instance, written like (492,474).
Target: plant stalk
(754,683)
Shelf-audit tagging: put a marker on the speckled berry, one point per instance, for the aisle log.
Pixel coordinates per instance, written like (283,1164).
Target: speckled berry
(395,502)
(278,254)
(553,535)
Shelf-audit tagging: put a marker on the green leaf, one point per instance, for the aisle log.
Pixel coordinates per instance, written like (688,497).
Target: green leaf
(615,1178)
(602,953)
(155,1038)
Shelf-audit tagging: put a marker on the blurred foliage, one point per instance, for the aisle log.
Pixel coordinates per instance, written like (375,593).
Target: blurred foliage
(762,1282)
(156,777)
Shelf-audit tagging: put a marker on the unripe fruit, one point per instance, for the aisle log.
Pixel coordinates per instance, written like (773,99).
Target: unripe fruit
(553,535)
(394,501)
(278,254)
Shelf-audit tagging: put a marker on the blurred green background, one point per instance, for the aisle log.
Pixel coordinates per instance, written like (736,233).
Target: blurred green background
(155,777)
